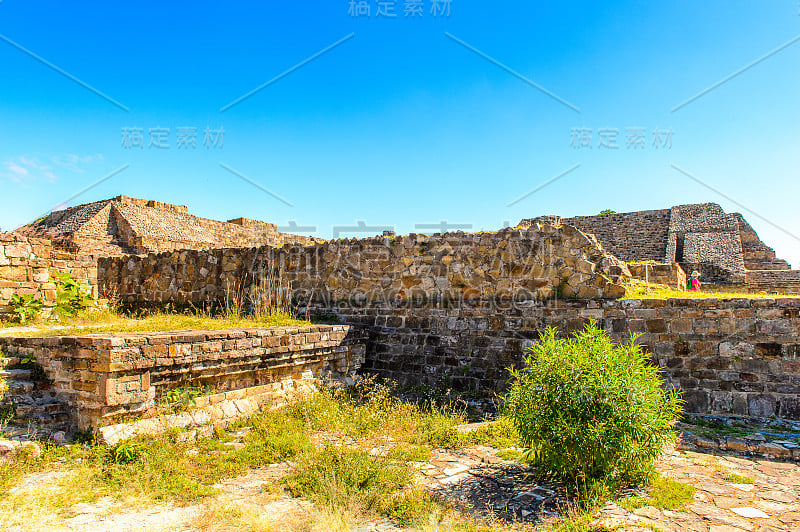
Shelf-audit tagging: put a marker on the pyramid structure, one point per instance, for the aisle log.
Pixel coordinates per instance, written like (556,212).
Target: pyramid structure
(124,225)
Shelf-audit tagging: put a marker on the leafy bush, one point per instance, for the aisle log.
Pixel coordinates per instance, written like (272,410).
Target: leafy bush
(24,308)
(588,409)
(72,298)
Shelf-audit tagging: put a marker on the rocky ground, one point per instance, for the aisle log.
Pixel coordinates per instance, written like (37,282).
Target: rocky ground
(477,481)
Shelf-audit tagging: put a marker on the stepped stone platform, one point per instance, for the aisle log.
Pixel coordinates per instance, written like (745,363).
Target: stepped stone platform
(722,247)
(124,226)
(29,401)
(86,382)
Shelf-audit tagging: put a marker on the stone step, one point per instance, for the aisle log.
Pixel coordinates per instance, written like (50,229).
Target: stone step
(38,416)
(26,387)
(16,374)
(20,387)
(766,264)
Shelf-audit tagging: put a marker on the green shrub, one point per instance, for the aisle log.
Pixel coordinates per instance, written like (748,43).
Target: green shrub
(72,298)
(24,308)
(588,409)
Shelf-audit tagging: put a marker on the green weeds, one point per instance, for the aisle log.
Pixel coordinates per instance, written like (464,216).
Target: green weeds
(663,493)
(737,479)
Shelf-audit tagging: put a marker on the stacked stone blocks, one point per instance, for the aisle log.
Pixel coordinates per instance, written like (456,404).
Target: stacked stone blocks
(730,357)
(108,377)
(30,265)
(534,263)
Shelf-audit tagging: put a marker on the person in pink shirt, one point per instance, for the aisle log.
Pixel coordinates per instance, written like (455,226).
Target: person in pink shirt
(695,283)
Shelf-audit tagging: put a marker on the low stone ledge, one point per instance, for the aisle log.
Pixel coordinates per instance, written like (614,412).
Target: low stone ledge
(751,445)
(212,411)
(108,378)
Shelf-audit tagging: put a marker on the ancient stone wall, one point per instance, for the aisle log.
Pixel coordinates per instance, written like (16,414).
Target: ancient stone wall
(757,255)
(106,378)
(534,263)
(29,266)
(730,357)
(703,237)
(774,281)
(628,236)
(700,237)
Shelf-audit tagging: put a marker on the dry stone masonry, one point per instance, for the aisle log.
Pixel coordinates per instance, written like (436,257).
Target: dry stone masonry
(671,275)
(454,307)
(124,225)
(722,247)
(730,357)
(100,379)
(535,263)
(29,266)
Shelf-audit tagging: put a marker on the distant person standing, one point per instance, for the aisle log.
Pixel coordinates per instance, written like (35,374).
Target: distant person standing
(694,282)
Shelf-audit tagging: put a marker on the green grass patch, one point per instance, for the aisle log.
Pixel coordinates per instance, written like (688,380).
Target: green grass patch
(174,469)
(509,454)
(410,453)
(644,291)
(97,322)
(413,508)
(348,478)
(371,408)
(499,434)
(662,493)
(737,479)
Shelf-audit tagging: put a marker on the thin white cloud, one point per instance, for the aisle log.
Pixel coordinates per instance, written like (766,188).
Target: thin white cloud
(74,162)
(15,172)
(28,168)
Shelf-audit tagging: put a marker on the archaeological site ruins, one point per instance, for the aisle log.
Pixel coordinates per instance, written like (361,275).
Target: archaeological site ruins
(412,308)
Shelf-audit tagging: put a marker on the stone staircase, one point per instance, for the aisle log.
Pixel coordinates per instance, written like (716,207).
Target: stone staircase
(784,281)
(29,405)
(764,261)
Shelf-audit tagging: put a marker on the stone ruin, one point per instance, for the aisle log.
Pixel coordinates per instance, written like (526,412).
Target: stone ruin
(130,226)
(459,307)
(722,247)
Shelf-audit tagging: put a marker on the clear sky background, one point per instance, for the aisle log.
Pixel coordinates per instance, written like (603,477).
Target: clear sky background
(405,120)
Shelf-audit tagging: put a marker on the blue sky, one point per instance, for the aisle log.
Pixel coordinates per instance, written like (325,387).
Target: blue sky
(407,120)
